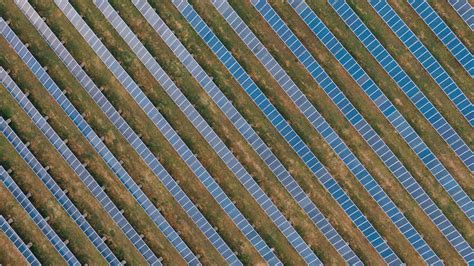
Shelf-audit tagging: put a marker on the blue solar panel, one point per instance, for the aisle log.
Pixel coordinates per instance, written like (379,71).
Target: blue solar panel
(77,167)
(250,135)
(320,124)
(98,145)
(444,34)
(427,60)
(386,107)
(57,192)
(464,10)
(133,89)
(42,224)
(319,171)
(19,244)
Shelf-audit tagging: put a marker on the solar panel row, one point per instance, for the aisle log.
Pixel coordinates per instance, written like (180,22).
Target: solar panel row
(19,244)
(99,146)
(42,224)
(57,192)
(257,144)
(422,103)
(366,131)
(465,11)
(211,137)
(320,124)
(277,120)
(427,60)
(154,115)
(390,112)
(445,34)
(77,167)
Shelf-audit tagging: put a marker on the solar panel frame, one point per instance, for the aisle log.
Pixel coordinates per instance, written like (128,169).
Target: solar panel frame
(36,217)
(371,89)
(310,160)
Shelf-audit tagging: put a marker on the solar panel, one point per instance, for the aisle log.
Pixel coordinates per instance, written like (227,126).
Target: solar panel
(444,34)
(464,10)
(250,135)
(321,125)
(80,170)
(406,84)
(427,60)
(386,107)
(19,244)
(319,171)
(57,192)
(42,224)
(97,144)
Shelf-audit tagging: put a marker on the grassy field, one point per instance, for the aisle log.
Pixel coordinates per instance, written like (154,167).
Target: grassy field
(157,143)
(436,47)
(27,230)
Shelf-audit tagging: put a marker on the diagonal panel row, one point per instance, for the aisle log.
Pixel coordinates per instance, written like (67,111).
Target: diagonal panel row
(284,128)
(321,125)
(386,107)
(365,130)
(154,115)
(42,224)
(78,167)
(444,34)
(57,192)
(250,135)
(206,131)
(464,10)
(429,111)
(19,244)
(427,60)
(100,147)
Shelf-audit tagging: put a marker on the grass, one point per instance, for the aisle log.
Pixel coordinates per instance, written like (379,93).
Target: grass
(28,232)
(436,47)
